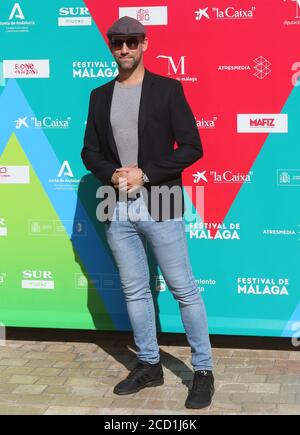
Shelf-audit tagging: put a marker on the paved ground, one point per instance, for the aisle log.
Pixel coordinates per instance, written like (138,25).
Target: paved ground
(75,374)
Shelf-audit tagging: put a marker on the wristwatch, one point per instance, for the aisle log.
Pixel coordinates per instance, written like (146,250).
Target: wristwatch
(145,178)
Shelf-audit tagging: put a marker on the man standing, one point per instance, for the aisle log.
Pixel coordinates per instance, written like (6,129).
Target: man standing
(133,124)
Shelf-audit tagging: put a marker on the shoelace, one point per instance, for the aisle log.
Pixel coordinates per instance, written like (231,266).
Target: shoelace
(136,369)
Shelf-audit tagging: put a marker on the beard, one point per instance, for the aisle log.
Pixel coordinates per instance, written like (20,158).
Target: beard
(128,65)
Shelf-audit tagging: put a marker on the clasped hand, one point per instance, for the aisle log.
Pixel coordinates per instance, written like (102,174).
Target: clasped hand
(128,179)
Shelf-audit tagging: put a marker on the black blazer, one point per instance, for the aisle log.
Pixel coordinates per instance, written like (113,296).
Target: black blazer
(165,117)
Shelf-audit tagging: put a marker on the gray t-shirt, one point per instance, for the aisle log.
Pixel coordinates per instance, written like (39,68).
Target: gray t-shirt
(124,120)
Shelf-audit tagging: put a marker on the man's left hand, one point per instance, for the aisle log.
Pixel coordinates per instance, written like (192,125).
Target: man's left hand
(134,178)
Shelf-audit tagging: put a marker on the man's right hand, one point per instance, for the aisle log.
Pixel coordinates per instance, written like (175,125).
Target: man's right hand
(119,178)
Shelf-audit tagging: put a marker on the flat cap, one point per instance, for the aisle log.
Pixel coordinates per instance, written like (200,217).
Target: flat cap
(126,26)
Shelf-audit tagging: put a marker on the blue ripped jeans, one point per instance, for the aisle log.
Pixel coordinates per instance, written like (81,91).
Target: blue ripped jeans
(126,234)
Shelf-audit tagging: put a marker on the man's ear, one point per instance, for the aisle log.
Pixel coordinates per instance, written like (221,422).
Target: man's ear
(145,44)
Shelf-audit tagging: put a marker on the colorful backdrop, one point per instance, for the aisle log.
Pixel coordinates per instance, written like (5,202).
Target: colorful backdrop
(239,64)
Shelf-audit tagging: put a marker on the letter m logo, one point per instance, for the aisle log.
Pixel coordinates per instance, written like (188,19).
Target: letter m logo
(172,67)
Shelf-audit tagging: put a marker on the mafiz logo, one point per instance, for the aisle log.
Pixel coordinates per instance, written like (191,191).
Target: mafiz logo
(263,122)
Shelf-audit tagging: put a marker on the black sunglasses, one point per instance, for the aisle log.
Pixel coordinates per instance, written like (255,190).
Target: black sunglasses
(132,43)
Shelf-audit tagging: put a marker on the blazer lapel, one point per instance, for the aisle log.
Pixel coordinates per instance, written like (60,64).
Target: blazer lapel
(110,135)
(145,100)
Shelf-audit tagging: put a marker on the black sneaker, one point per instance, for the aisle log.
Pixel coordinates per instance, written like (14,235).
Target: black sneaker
(201,394)
(143,375)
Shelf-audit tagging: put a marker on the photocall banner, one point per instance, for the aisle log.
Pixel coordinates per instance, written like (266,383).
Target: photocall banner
(239,65)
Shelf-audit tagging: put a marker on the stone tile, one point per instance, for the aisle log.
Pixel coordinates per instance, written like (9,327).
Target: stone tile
(33,399)
(118,411)
(39,363)
(228,387)
(295,356)
(269,371)
(7,388)
(226,408)
(66,365)
(50,356)
(9,353)
(175,405)
(13,362)
(100,365)
(264,388)
(69,410)
(290,388)
(249,378)
(97,402)
(33,347)
(248,398)
(261,354)
(89,358)
(284,379)
(254,362)
(13,344)
(51,380)
(105,372)
(240,370)
(76,373)
(289,409)
(66,400)
(262,408)
(10,371)
(82,382)
(8,398)
(23,379)
(126,402)
(89,391)
(57,348)
(22,410)
(227,377)
(291,367)
(233,362)
(107,381)
(58,389)
(222,353)
(46,371)
(30,389)
(285,399)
